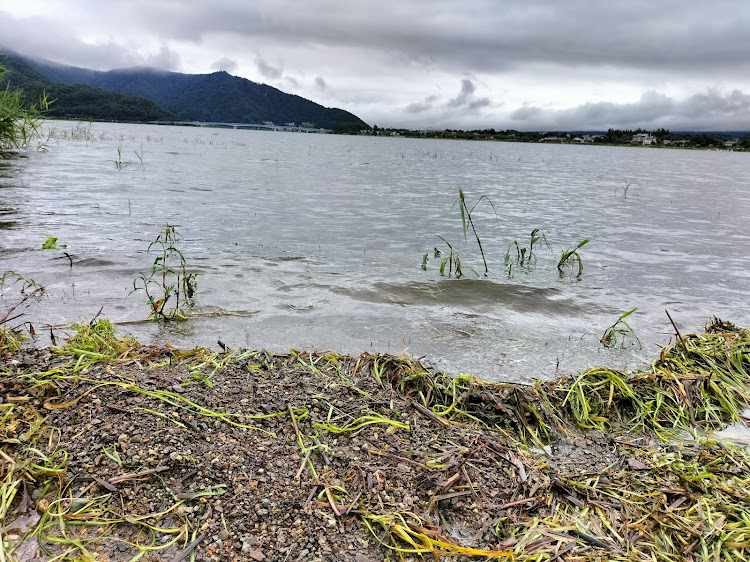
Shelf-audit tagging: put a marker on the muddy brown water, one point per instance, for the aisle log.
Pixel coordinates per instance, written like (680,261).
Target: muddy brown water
(316,241)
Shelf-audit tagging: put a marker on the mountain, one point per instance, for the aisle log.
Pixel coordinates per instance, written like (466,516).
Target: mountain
(217,97)
(76,101)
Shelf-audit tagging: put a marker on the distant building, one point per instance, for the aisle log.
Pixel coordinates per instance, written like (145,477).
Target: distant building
(643,138)
(308,125)
(269,123)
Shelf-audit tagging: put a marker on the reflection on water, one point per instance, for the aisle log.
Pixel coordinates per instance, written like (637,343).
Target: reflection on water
(316,241)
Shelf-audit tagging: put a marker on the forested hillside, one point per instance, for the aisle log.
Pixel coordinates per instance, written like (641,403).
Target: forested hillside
(217,97)
(77,101)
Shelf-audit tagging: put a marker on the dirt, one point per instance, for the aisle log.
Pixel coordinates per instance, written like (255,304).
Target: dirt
(168,456)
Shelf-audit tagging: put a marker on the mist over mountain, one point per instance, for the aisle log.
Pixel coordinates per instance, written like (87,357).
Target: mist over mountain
(77,101)
(216,97)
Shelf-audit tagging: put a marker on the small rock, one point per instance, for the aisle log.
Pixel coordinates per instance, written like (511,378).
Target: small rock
(177,388)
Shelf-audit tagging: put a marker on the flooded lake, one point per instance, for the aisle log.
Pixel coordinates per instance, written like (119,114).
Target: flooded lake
(316,242)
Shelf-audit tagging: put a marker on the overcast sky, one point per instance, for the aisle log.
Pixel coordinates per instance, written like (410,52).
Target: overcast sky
(521,64)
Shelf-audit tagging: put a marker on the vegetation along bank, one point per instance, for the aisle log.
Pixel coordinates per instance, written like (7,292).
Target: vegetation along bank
(112,450)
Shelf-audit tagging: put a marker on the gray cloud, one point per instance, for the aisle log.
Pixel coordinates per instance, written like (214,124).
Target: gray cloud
(290,82)
(467,90)
(465,97)
(710,111)
(421,106)
(51,39)
(480,35)
(267,71)
(225,64)
(388,56)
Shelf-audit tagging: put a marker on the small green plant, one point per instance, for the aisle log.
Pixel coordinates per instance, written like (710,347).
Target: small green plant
(169,287)
(619,332)
(50,243)
(570,256)
(118,162)
(114,455)
(524,256)
(425,260)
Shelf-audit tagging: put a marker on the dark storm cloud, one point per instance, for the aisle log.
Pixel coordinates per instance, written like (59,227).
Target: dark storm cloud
(710,111)
(225,64)
(484,35)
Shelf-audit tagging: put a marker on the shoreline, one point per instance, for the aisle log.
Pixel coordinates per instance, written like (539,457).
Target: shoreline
(122,450)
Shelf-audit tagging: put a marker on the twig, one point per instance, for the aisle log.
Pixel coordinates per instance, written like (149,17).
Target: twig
(296,427)
(130,475)
(321,450)
(302,466)
(353,503)
(434,417)
(589,539)
(519,502)
(332,501)
(93,320)
(570,546)
(679,337)
(188,549)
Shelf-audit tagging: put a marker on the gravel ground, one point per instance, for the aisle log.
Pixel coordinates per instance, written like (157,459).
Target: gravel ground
(274,457)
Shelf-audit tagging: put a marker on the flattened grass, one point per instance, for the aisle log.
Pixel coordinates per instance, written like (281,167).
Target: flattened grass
(664,496)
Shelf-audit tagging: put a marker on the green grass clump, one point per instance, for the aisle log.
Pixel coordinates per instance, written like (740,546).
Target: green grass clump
(619,332)
(97,340)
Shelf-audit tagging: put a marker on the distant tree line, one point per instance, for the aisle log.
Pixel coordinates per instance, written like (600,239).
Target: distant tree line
(658,137)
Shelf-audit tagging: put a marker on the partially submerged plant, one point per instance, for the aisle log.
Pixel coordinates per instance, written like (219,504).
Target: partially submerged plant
(169,287)
(570,256)
(50,243)
(619,332)
(625,188)
(524,255)
(451,260)
(9,338)
(467,222)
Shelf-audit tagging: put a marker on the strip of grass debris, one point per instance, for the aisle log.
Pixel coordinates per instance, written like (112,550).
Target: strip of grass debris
(116,451)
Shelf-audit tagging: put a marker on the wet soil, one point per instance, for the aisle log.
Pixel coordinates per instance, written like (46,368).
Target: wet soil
(262,459)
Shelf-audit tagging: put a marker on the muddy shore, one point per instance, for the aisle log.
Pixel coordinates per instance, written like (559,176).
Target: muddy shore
(116,451)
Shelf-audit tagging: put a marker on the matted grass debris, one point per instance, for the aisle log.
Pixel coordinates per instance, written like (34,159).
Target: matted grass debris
(110,450)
